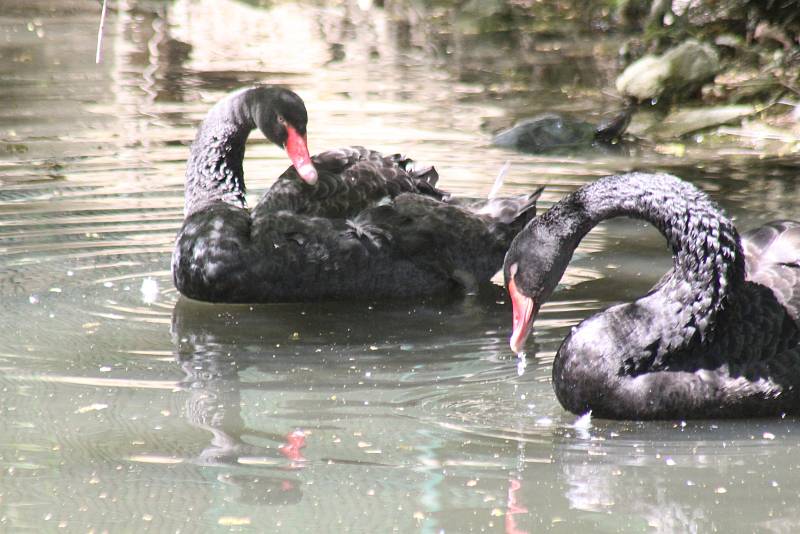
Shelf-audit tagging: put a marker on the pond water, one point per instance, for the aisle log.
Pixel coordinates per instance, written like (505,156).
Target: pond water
(124,407)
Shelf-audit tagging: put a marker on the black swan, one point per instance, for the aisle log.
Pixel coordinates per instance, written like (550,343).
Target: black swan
(716,337)
(345,224)
(553,132)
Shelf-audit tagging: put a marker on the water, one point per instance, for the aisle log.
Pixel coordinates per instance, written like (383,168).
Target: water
(127,408)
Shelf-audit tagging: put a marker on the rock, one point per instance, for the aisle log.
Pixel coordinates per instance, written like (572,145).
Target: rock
(631,13)
(678,72)
(545,133)
(644,79)
(766,32)
(685,121)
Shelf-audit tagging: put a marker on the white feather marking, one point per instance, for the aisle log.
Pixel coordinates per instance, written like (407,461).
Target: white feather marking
(498,182)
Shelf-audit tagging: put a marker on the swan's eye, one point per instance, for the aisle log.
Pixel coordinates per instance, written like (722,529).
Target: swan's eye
(281,120)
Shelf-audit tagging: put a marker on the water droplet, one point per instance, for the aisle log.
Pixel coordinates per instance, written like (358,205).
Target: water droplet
(149,290)
(522,363)
(583,422)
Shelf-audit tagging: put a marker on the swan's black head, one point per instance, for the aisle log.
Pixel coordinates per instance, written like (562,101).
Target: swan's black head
(532,268)
(281,116)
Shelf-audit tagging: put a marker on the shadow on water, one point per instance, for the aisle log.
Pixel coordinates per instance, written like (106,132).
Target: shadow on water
(410,349)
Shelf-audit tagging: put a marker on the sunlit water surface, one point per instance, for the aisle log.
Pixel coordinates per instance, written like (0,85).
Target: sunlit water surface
(124,407)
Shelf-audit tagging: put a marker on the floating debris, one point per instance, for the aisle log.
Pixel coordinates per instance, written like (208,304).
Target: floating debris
(233,521)
(95,407)
(544,421)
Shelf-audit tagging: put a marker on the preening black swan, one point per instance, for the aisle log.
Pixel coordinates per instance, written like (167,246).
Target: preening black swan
(716,337)
(555,132)
(345,224)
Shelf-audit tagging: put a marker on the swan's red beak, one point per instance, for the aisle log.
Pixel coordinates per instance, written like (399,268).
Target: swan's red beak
(524,309)
(297,149)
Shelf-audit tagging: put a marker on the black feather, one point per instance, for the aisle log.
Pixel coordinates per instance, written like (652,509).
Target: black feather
(371,227)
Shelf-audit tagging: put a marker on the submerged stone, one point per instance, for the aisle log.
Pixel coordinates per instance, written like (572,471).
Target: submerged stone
(552,132)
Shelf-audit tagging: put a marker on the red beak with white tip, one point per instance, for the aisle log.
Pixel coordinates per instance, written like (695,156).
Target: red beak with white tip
(524,311)
(297,149)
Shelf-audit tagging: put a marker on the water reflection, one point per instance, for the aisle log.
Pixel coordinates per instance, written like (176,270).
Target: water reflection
(239,362)
(213,405)
(683,473)
(149,60)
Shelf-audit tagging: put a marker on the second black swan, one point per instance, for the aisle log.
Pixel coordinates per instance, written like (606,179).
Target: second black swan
(716,337)
(345,224)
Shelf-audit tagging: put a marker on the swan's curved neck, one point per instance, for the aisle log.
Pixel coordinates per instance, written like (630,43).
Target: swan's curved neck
(707,255)
(214,170)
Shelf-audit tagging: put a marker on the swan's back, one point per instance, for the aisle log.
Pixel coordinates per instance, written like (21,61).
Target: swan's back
(348,223)
(350,180)
(772,259)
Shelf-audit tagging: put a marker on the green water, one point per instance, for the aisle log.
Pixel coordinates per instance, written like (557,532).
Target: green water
(125,408)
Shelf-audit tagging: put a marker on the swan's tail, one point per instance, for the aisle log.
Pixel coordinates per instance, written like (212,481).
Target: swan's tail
(424,176)
(772,259)
(513,211)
